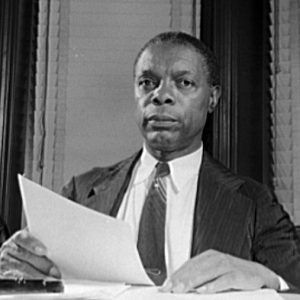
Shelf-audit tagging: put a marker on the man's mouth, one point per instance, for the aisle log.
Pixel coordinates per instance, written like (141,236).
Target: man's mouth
(161,121)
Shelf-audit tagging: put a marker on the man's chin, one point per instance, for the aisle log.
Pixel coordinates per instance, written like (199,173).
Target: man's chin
(160,142)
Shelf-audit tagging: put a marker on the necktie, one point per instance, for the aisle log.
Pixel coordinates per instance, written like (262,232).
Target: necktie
(151,237)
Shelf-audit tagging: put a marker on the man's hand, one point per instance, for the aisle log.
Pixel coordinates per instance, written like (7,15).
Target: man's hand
(23,256)
(213,271)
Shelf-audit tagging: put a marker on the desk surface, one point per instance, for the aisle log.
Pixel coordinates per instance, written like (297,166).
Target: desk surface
(46,297)
(290,296)
(121,292)
(151,293)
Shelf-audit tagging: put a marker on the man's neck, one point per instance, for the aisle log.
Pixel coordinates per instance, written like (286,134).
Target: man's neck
(166,156)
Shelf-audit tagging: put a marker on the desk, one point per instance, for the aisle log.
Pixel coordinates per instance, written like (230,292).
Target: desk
(82,291)
(290,296)
(141,294)
(41,297)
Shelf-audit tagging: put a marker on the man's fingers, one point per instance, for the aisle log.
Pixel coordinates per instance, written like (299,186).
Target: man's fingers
(221,284)
(23,253)
(216,272)
(196,272)
(230,281)
(13,253)
(18,269)
(25,240)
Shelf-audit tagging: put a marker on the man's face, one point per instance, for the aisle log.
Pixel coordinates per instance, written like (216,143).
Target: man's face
(173,98)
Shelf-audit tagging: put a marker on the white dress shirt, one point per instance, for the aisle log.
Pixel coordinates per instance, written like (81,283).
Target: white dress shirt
(181,197)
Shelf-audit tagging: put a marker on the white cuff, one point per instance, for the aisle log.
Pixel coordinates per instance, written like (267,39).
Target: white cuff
(283,286)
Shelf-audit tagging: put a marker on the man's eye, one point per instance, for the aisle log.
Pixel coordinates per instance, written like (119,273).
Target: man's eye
(147,83)
(185,83)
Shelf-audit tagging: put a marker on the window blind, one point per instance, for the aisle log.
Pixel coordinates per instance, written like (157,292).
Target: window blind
(285,40)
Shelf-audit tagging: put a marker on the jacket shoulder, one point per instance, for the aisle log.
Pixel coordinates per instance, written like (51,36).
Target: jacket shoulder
(79,186)
(241,184)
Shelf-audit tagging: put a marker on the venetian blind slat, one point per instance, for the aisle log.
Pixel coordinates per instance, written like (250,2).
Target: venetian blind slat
(286,104)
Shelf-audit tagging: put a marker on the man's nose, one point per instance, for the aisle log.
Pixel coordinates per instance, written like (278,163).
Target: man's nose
(163,94)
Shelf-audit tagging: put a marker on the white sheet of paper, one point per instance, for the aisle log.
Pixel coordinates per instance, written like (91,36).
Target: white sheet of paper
(84,244)
(93,289)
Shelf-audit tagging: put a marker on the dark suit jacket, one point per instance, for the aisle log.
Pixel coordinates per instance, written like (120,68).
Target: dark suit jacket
(233,214)
(4,233)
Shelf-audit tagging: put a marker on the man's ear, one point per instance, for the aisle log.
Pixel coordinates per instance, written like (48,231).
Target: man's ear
(214,98)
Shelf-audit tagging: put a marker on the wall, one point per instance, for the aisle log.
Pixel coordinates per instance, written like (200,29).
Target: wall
(88,106)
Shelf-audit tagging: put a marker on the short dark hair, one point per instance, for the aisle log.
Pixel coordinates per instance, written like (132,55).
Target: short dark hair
(181,38)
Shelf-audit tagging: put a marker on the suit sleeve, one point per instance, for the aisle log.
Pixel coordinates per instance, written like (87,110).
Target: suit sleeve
(4,233)
(275,238)
(68,190)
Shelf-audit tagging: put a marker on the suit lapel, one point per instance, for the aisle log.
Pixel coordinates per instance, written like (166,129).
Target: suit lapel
(107,194)
(221,213)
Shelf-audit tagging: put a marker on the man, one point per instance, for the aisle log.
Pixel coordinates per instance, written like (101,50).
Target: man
(198,226)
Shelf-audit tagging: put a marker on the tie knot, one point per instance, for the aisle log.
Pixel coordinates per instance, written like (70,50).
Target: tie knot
(162,169)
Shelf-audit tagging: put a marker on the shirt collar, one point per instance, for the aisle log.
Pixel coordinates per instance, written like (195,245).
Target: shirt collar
(185,167)
(181,169)
(145,166)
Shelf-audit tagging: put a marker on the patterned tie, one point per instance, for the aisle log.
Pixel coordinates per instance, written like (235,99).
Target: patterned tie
(151,238)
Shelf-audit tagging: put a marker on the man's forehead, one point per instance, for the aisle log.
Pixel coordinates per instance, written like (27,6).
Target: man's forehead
(170,55)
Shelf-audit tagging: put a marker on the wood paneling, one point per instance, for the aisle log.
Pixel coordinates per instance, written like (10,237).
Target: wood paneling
(16,60)
(238,132)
